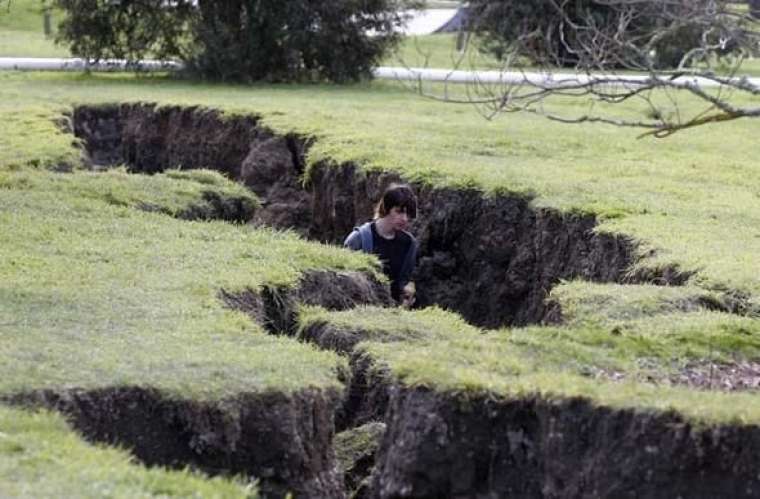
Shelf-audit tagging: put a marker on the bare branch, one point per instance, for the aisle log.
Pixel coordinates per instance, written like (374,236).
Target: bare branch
(678,60)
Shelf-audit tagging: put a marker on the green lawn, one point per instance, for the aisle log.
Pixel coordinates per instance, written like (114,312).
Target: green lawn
(22,30)
(16,43)
(440,51)
(174,192)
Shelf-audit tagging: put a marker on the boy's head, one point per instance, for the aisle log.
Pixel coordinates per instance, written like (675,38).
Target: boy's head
(399,196)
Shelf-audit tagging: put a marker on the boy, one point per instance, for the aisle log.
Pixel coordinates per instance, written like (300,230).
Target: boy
(387,237)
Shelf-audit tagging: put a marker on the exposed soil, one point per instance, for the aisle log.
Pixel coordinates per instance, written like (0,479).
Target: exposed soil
(214,206)
(149,139)
(343,339)
(737,376)
(283,440)
(442,445)
(365,401)
(366,398)
(492,259)
(367,395)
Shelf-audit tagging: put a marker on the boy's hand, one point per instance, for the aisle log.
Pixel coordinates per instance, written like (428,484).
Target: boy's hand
(408,295)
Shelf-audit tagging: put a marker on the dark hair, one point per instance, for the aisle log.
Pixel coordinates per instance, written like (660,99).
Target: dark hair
(397,195)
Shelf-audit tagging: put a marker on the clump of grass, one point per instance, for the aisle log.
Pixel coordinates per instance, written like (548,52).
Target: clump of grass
(672,324)
(357,443)
(205,177)
(388,325)
(176,193)
(584,301)
(40,456)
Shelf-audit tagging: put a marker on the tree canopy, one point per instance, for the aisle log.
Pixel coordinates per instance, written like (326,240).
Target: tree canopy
(240,40)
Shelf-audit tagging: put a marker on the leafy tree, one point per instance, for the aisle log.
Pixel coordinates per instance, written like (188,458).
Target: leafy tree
(339,40)
(124,29)
(240,40)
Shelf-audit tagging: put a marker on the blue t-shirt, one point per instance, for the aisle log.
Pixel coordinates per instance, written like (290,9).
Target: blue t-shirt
(392,254)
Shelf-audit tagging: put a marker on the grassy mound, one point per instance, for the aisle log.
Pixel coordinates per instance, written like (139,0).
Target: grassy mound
(625,365)
(97,293)
(196,194)
(40,456)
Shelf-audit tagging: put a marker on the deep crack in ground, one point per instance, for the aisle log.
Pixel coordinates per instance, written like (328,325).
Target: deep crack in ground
(492,259)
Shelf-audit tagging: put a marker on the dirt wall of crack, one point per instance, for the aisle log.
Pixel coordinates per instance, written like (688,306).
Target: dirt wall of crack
(493,259)
(447,445)
(276,308)
(283,440)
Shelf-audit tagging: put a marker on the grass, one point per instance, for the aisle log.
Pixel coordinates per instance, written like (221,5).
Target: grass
(609,304)
(96,293)
(41,457)
(436,349)
(439,51)
(649,331)
(474,367)
(174,192)
(386,325)
(442,4)
(22,33)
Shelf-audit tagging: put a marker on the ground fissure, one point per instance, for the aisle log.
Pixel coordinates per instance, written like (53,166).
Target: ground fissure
(492,259)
